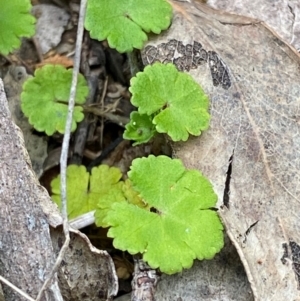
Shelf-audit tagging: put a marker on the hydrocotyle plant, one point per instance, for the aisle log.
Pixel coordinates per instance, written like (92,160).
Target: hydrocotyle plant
(44,100)
(168,101)
(124,23)
(15,22)
(165,212)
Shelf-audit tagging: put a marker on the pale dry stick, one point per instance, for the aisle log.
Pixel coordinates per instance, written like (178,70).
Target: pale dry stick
(16,289)
(65,147)
(83,220)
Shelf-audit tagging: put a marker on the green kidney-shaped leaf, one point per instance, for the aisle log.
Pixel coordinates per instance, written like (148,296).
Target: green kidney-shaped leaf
(85,190)
(44,99)
(180,225)
(124,22)
(15,22)
(180,104)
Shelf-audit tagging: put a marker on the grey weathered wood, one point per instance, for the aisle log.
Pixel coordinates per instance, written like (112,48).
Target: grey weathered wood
(26,253)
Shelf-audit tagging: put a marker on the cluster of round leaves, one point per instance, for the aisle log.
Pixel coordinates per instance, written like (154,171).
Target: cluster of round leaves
(15,22)
(168,101)
(44,100)
(165,216)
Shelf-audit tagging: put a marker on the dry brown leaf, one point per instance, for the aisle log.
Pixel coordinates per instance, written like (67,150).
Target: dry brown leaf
(57,60)
(252,79)
(282,16)
(86,273)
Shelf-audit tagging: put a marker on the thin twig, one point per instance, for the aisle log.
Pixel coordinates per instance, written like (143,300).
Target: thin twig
(65,147)
(104,90)
(16,289)
(117,119)
(38,49)
(102,107)
(134,64)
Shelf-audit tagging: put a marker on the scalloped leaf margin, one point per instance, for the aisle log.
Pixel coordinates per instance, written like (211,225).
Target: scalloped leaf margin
(180,225)
(45,97)
(178,103)
(124,23)
(15,22)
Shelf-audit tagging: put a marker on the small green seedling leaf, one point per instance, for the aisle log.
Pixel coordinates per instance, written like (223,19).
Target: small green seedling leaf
(180,225)
(140,129)
(84,190)
(124,23)
(15,22)
(44,99)
(180,104)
